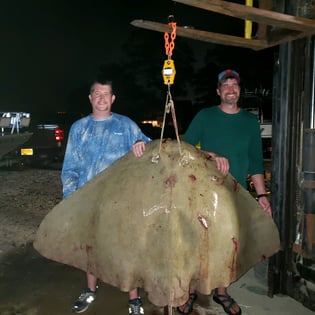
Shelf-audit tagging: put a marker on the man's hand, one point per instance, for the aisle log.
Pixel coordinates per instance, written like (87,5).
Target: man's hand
(138,148)
(264,202)
(223,164)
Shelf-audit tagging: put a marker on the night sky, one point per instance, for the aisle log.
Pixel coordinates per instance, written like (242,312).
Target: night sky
(51,48)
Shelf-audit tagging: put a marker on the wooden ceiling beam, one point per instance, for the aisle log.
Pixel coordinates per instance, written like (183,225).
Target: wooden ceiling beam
(215,38)
(273,28)
(254,14)
(281,36)
(262,30)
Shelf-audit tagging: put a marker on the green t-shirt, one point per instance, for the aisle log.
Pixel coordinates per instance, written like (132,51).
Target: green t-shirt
(234,136)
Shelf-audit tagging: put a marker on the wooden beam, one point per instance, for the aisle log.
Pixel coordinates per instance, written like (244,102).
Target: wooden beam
(281,36)
(266,35)
(262,30)
(209,37)
(257,15)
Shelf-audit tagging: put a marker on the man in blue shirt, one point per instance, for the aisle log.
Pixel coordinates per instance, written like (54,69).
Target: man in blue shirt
(95,142)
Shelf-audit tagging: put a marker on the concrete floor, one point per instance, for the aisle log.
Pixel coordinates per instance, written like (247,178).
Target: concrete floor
(33,285)
(250,292)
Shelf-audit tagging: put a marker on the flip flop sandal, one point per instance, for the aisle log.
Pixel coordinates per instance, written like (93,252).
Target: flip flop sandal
(223,298)
(189,305)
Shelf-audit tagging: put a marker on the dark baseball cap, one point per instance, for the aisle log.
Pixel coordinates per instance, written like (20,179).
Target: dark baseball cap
(228,74)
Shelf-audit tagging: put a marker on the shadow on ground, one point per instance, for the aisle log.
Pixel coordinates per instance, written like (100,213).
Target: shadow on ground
(32,285)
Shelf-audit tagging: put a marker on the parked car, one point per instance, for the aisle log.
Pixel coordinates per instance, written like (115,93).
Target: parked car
(13,130)
(46,147)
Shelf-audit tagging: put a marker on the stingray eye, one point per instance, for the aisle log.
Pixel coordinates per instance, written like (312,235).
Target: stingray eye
(214,178)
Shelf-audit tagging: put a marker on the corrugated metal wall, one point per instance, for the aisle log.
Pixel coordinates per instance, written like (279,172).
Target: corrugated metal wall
(292,271)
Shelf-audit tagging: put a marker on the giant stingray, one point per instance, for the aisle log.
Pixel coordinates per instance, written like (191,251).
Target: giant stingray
(162,222)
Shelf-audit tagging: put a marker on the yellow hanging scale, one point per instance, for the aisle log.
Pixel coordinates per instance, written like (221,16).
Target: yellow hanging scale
(168,71)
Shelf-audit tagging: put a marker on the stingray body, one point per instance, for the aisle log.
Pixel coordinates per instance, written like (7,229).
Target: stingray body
(161,226)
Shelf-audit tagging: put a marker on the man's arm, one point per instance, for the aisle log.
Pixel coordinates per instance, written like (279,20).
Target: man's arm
(259,183)
(69,173)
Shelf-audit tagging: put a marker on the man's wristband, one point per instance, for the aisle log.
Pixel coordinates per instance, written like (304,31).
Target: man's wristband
(261,195)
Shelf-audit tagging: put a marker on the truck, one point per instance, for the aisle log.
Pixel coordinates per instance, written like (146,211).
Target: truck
(45,147)
(13,127)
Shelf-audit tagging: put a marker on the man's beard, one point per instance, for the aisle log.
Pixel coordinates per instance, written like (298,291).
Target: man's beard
(229,102)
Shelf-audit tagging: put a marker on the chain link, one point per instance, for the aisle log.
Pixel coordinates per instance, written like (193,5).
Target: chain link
(170,44)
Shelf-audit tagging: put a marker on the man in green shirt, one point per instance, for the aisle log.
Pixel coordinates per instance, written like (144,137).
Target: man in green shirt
(231,136)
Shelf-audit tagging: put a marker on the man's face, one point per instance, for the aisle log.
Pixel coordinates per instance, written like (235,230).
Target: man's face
(101,99)
(229,92)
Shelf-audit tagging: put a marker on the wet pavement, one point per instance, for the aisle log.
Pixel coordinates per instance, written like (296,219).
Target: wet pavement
(33,285)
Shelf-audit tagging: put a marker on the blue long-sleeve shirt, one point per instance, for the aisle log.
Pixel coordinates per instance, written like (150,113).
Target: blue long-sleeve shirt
(93,145)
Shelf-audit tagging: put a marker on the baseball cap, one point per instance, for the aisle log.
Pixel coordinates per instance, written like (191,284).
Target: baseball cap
(228,74)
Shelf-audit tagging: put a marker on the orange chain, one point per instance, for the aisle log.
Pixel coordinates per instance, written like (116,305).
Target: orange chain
(169,45)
